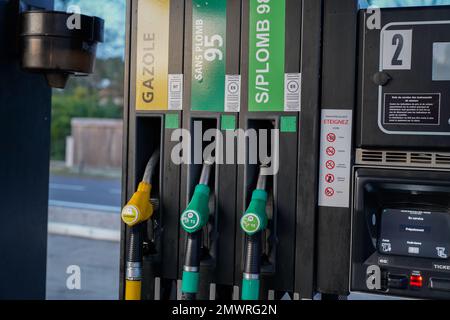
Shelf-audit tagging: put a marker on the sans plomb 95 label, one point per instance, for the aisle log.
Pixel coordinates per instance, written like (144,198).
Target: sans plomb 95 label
(209,24)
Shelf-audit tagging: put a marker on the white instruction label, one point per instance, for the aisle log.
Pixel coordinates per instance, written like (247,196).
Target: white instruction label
(335,158)
(176,92)
(397,49)
(292,92)
(232,93)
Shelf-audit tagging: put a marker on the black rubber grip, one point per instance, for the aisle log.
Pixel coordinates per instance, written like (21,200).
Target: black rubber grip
(134,250)
(253,254)
(193,249)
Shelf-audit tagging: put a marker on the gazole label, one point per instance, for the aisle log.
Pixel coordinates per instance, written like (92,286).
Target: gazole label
(152,60)
(267,55)
(209,23)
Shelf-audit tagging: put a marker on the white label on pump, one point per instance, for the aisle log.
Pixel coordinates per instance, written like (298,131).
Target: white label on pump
(397,49)
(292,92)
(176,92)
(335,158)
(232,93)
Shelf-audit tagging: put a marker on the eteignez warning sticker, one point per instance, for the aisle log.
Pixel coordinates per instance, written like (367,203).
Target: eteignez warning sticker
(335,158)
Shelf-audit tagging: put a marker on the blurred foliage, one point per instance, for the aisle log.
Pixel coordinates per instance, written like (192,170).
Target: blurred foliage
(97,96)
(101,94)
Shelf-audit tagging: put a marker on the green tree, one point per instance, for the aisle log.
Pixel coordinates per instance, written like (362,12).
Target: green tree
(80,101)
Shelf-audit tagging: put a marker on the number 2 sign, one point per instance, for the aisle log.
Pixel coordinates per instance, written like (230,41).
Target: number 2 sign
(396,49)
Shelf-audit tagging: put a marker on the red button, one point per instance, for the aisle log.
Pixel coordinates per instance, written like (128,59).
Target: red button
(416,281)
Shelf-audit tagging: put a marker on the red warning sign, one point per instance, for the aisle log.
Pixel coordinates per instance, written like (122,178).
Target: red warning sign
(331,151)
(331,137)
(330,165)
(335,158)
(329,178)
(329,192)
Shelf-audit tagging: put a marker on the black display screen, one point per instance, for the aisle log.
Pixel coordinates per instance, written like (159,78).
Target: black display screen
(416,233)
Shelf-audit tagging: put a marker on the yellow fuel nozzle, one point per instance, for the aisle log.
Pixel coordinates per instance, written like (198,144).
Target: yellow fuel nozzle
(140,209)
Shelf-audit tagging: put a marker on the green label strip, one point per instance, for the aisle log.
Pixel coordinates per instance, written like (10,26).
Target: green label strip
(288,124)
(267,55)
(172,121)
(228,122)
(209,24)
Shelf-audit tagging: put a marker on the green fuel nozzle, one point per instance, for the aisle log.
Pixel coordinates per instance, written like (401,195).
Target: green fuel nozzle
(253,222)
(196,215)
(193,219)
(255,218)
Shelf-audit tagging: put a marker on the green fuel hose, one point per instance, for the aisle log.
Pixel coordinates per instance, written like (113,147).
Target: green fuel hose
(253,223)
(193,219)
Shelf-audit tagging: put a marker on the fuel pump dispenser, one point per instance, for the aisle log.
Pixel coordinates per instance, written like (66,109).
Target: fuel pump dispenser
(153,113)
(211,112)
(138,210)
(193,220)
(280,107)
(215,69)
(383,220)
(401,212)
(253,222)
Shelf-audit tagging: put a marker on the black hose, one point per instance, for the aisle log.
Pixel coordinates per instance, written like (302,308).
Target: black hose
(253,254)
(192,259)
(193,248)
(134,253)
(151,167)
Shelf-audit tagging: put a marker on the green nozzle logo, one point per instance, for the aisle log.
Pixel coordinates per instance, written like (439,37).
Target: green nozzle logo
(250,223)
(190,220)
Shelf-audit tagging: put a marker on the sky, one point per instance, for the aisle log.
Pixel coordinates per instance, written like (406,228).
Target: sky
(113,12)
(402,3)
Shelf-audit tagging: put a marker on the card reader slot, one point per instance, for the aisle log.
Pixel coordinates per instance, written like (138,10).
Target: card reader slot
(440,284)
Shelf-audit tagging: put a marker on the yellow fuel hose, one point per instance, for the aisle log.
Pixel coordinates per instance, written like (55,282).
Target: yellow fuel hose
(138,211)
(132,290)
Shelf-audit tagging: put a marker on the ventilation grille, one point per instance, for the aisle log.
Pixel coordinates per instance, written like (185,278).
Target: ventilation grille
(443,160)
(403,159)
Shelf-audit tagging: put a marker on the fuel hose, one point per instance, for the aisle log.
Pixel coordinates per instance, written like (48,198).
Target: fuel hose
(193,219)
(253,223)
(137,211)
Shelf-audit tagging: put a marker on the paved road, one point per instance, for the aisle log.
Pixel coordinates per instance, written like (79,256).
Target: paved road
(99,264)
(83,192)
